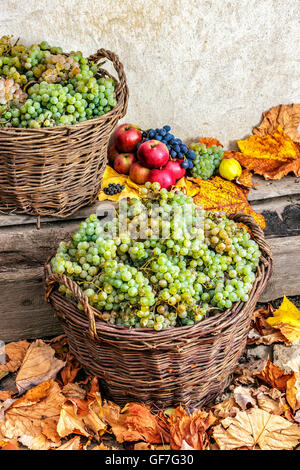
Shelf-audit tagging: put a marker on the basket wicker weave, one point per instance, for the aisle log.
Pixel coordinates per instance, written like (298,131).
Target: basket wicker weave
(189,365)
(57,170)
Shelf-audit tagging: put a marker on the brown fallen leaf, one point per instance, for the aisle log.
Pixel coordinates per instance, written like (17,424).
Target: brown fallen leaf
(14,353)
(134,422)
(73,390)
(10,445)
(30,418)
(256,428)
(270,400)
(286,116)
(190,429)
(69,372)
(293,392)
(72,444)
(245,374)
(226,408)
(274,376)
(102,446)
(84,420)
(287,319)
(6,394)
(39,365)
(266,334)
(244,398)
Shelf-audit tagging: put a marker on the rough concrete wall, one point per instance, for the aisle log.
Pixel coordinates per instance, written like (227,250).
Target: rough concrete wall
(207,67)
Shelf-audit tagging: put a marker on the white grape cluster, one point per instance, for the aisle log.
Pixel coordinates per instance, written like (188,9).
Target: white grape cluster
(62,89)
(174,272)
(11,93)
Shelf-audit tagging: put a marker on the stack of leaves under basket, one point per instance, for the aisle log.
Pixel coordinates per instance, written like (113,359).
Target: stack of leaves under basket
(196,286)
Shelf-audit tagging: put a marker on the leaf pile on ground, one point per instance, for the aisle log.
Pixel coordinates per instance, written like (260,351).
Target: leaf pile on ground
(54,404)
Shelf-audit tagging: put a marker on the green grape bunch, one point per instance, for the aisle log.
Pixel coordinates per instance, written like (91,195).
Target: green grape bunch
(177,271)
(207,160)
(62,89)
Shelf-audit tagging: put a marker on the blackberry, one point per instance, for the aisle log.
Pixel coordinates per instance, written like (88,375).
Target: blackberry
(114,188)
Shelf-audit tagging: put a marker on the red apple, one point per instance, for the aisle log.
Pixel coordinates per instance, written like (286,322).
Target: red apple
(174,166)
(112,154)
(153,154)
(126,137)
(123,162)
(139,173)
(163,177)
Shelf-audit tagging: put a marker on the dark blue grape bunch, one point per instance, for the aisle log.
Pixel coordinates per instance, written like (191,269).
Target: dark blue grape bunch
(176,148)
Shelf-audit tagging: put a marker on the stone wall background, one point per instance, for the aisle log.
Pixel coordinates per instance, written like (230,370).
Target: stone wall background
(207,67)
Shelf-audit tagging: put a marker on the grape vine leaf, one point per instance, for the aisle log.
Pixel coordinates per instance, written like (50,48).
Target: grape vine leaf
(256,428)
(272,156)
(286,116)
(218,194)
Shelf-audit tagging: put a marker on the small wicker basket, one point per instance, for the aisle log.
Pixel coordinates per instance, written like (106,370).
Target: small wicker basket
(189,365)
(55,171)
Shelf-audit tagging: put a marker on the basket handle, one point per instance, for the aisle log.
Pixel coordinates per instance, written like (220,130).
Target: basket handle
(255,229)
(53,278)
(122,84)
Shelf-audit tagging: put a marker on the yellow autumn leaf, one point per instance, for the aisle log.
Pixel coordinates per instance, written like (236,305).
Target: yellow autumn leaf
(287,319)
(273,155)
(111,176)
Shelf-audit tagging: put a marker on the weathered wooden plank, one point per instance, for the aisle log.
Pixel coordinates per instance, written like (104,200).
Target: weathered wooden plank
(282,215)
(23,311)
(101,208)
(267,189)
(285,279)
(288,186)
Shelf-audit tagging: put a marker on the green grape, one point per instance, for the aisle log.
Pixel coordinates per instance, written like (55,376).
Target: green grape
(67,86)
(207,160)
(204,265)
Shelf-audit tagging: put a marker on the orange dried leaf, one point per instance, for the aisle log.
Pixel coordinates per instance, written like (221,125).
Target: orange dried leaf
(218,194)
(286,116)
(274,376)
(134,422)
(272,156)
(190,429)
(210,141)
(245,179)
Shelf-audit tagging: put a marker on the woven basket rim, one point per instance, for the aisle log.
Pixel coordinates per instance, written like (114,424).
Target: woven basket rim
(120,102)
(147,333)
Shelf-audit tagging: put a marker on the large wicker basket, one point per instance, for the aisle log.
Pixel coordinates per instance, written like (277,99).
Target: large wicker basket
(55,171)
(189,365)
